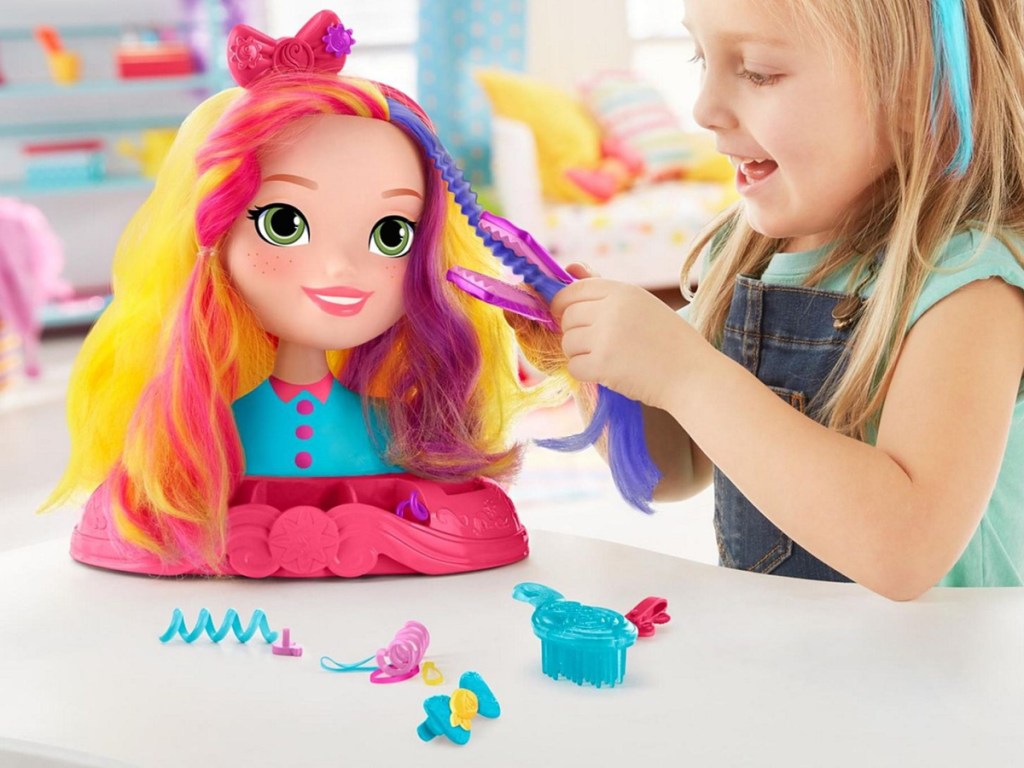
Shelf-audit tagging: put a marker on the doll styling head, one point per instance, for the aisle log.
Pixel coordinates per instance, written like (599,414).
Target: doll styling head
(150,401)
(939,87)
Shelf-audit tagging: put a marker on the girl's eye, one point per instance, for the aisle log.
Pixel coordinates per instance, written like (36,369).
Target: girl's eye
(392,237)
(281,224)
(757,79)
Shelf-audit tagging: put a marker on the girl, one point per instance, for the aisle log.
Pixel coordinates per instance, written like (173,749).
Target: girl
(851,371)
(281,312)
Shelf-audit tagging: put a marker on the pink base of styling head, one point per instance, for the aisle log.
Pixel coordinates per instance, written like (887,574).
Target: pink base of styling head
(324,527)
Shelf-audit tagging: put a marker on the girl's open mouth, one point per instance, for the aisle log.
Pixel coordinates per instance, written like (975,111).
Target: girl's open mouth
(341,301)
(751,174)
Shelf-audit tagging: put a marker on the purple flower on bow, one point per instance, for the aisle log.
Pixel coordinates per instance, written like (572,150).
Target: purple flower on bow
(339,40)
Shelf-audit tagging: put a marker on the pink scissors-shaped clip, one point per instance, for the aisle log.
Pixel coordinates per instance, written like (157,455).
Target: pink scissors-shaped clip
(647,613)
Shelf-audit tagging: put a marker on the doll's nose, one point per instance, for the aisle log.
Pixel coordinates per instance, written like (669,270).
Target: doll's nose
(339,262)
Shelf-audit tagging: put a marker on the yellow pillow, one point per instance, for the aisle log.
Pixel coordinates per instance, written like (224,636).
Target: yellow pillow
(567,136)
(705,163)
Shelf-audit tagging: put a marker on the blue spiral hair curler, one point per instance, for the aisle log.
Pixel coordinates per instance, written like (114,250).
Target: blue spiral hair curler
(634,472)
(205,626)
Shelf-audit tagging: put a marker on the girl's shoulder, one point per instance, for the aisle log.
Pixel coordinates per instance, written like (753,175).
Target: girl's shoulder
(972,250)
(968,257)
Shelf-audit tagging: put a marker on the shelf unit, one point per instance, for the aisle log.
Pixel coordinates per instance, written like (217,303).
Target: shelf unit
(27,189)
(34,109)
(135,84)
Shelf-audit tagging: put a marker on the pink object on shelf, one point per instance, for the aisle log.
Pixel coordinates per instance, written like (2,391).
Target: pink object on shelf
(161,60)
(31,260)
(286,647)
(326,527)
(51,147)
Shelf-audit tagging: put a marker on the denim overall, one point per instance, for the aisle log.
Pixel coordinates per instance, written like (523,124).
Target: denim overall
(787,337)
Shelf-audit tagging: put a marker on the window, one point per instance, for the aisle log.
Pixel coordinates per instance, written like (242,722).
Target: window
(661,51)
(385,33)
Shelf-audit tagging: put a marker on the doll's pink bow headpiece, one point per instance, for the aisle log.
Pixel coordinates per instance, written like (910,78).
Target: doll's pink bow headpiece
(322,45)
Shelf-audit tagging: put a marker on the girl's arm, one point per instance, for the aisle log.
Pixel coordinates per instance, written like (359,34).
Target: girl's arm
(895,516)
(685,470)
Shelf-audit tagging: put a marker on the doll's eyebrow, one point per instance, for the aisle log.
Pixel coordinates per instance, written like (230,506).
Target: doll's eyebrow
(399,192)
(300,180)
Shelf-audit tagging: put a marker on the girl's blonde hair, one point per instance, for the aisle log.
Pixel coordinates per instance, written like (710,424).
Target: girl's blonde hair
(918,205)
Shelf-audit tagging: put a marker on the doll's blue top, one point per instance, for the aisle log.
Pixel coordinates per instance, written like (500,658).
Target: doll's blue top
(314,430)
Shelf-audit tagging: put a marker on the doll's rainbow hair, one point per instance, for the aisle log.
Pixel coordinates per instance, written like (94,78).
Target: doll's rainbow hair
(617,418)
(150,399)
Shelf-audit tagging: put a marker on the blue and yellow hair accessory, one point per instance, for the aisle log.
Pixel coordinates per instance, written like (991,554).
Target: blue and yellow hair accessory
(582,643)
(452,716)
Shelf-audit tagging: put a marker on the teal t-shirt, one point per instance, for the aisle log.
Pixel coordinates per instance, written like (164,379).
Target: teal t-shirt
(994,557)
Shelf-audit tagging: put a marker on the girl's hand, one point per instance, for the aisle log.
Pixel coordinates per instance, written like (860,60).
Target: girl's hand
(622,336)
(542,348)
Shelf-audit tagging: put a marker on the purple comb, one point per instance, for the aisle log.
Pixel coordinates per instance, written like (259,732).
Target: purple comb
(522,242)
(499,294)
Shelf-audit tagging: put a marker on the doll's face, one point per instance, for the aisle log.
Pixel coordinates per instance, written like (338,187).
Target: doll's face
(322,252)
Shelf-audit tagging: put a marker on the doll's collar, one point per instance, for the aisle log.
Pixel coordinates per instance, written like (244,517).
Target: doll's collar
(287,392)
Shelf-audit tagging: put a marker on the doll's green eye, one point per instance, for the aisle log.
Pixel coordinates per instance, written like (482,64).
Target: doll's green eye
(281,224)
(392,237)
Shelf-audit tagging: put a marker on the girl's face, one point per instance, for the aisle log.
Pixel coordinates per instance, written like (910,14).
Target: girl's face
(322,252)
(790,114)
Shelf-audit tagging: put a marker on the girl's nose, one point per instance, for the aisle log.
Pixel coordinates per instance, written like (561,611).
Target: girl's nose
(712,110)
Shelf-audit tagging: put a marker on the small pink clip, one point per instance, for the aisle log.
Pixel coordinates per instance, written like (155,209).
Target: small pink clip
(647,613)
(286,647)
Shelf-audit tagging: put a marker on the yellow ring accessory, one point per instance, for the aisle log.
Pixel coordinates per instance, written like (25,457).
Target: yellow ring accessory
(431,674)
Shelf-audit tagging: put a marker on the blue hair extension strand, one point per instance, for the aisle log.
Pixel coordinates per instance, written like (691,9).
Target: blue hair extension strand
(634,472)
(953,73)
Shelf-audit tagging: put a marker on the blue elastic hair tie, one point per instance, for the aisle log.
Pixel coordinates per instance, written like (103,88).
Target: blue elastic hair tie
(953,72)
(329,664)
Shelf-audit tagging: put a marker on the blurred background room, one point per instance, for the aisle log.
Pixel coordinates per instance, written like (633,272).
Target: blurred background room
(570,117)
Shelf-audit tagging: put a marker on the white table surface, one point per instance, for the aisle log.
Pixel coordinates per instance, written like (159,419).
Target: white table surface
(752,670)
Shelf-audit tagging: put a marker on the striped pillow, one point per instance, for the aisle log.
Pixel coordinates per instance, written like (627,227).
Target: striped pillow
(631,111)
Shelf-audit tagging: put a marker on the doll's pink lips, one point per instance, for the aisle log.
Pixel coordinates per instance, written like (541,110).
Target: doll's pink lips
(341,301)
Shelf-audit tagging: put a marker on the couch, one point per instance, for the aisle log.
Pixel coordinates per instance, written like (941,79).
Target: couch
(638,236)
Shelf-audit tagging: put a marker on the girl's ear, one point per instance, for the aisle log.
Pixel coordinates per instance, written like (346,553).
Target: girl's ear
(898,115)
